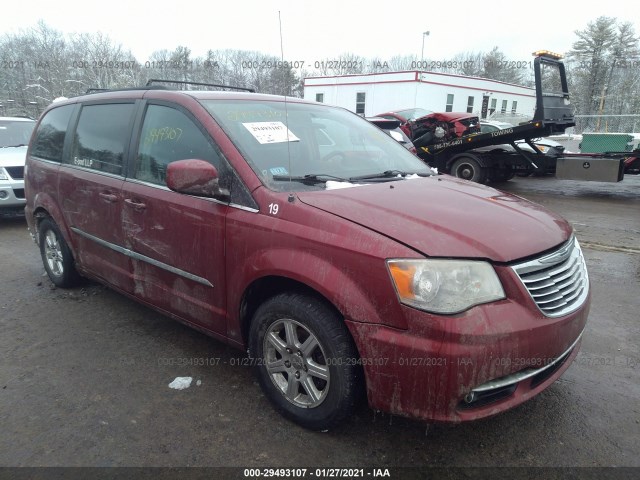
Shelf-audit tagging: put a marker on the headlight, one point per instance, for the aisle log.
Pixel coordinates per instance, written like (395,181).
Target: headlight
(3,174)
(444,286)
(543,148)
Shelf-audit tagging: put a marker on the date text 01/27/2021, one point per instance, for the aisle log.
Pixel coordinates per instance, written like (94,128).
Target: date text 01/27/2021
(316,472)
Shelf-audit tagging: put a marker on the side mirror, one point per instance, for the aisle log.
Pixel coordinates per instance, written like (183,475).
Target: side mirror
(195,177)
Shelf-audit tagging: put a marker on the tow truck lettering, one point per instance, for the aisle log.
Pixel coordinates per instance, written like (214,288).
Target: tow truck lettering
(502,132)
(447,144)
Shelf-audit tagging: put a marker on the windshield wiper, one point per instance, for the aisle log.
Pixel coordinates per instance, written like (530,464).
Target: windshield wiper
(389,174)
(310,178)
(313,178)
(13,146)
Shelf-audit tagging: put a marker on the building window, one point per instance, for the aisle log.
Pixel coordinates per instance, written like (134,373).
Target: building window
(449,107)
(320,97)
(360,100)
(504,107)
(470,105)
(514,106)
(494,103)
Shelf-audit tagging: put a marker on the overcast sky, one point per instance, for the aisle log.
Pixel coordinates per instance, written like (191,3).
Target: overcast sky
(322,29)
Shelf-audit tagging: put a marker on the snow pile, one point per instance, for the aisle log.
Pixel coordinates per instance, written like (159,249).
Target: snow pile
(180,383)
(334,185)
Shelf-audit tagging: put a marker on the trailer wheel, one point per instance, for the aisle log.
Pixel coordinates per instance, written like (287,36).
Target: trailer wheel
(502,175)
(468,168)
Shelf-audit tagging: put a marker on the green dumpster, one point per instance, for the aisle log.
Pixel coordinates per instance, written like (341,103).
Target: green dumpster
(606,142)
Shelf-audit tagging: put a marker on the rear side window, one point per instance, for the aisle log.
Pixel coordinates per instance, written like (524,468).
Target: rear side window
(169,135)
(101,137)
(49,139)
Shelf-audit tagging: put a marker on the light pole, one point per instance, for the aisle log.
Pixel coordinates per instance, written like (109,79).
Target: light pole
(424,34)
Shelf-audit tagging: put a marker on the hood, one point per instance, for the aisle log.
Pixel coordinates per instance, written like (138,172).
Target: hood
(13,156)
(442,216)
(446,116)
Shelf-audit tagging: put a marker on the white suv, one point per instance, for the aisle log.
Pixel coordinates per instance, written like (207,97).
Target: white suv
(15,133)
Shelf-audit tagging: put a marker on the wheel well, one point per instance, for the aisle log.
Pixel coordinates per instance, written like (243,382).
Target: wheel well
(266,287)
(38,215)
(472,156)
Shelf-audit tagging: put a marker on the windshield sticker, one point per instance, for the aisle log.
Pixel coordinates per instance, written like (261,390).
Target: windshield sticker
(279,171)
(270,132)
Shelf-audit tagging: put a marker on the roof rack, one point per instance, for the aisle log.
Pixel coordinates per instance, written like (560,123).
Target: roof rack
(182,82)
(102,90)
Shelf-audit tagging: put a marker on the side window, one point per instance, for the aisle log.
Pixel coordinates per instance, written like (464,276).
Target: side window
(101,136)
(169,135)
(49,139)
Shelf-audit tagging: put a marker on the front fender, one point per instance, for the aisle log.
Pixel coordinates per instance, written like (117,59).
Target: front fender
(371,301)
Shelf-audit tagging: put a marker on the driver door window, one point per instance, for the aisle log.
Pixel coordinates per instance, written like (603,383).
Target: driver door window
(169,135)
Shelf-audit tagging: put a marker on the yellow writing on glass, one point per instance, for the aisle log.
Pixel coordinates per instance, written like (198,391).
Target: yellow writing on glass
(163,134)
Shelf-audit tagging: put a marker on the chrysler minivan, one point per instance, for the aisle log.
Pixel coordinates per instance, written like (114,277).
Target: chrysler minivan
(306,236)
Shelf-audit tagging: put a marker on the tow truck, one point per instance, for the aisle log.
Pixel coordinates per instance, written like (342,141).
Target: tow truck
(456,146)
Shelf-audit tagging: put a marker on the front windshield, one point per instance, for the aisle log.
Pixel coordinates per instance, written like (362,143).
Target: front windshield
(414,113)
(15,133)
(325,142)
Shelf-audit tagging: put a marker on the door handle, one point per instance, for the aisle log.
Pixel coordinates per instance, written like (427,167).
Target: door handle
(108,197)
(136,205)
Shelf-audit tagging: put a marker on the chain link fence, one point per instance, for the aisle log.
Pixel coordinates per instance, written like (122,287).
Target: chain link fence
(607,124)
(591,133)
(606,133)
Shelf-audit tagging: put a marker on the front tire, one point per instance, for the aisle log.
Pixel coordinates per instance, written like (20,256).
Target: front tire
(305,360)
(56,255)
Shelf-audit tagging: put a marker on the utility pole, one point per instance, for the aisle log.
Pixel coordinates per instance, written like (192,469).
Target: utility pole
(424,34)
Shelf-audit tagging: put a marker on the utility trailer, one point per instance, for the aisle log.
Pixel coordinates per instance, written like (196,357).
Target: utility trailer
(456,146)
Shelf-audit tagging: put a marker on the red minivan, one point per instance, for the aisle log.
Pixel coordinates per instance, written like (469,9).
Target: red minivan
(305,235)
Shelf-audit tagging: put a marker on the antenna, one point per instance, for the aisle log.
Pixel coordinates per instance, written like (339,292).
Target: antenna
(286,111)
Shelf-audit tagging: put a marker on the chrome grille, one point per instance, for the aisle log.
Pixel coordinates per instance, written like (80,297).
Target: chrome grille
(558,282)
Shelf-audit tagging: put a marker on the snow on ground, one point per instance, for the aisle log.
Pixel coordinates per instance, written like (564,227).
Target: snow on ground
(180,383)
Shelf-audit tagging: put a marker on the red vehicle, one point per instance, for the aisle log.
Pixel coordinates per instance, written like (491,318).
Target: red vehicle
(305,234)
(440,126)
(405,116)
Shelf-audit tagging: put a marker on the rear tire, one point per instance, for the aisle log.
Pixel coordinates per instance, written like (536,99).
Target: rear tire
(469,168)
(56,255)
(502,175)
(305,360)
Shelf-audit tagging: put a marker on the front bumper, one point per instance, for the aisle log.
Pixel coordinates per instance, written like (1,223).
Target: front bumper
(468,366)
(12,195)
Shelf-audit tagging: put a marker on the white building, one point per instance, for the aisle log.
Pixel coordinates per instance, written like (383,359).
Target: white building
(371,94)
